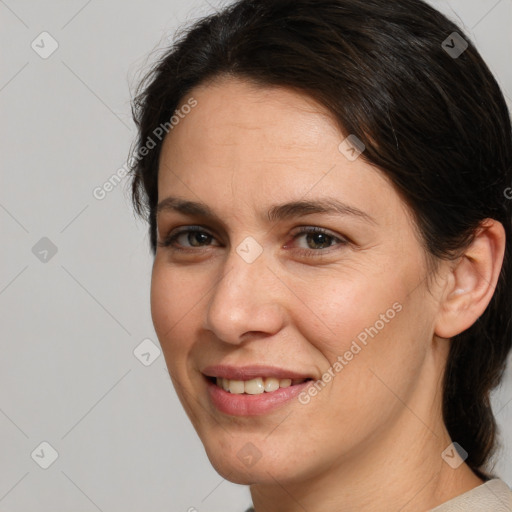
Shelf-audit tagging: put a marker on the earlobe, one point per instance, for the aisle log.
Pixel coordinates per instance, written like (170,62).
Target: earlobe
(472,281)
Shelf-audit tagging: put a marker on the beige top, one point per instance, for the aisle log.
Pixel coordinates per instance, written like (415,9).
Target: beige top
(492,496)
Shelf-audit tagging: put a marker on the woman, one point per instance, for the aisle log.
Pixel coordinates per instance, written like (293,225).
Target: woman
(326,188)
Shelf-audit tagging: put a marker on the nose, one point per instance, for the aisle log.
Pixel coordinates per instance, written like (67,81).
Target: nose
(247,300)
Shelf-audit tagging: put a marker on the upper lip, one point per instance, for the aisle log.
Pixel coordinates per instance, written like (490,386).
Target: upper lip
(251,372)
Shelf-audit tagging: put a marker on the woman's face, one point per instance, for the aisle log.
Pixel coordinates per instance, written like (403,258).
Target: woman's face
(249,297)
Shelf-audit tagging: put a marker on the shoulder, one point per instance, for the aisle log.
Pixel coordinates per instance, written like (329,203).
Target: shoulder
(493,495)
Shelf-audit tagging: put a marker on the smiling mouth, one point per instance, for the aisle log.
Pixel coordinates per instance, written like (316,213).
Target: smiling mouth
(256,386)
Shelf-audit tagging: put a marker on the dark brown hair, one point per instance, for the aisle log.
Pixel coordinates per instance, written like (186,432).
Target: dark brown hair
(436,124)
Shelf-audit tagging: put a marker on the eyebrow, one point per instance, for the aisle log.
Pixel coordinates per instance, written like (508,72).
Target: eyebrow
(276,212)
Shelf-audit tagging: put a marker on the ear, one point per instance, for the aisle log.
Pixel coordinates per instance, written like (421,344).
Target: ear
(472,281)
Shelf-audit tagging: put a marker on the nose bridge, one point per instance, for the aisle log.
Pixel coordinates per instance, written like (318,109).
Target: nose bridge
(244,299)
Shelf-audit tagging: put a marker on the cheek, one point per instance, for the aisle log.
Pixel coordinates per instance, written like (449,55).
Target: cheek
(163,291)
(343,309)
(174,297)
(173,294)
(372,334)
(174,318)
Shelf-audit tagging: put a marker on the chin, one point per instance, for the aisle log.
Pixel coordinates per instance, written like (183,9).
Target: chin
(238,460)
(232,469)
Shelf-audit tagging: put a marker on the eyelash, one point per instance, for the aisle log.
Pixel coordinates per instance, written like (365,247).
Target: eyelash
(171,238)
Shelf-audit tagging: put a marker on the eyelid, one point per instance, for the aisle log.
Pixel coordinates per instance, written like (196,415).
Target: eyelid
(169,239)
(308,228)
(305,230)
(299,231)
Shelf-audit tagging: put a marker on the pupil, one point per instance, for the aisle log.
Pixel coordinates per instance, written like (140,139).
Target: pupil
(321,236)
(196,236)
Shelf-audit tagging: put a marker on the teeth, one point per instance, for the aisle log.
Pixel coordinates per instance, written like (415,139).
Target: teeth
(256,386)
(252,387)
(284,383)
(235,386)
(271,384)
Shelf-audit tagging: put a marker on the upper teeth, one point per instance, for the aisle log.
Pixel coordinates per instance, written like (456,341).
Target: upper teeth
(255,386)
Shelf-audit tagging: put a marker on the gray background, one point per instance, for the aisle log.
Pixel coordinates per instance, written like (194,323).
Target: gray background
(71,321)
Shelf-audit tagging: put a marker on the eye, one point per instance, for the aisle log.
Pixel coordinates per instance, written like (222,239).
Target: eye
(316,240)
(194,235)
(191,238)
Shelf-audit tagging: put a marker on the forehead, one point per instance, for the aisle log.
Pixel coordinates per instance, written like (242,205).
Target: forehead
(232,113)
(244,144)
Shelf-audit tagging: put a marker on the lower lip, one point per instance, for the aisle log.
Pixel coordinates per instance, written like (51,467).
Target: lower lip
(252,405)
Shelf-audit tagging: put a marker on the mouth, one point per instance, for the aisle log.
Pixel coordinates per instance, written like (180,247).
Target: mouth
(252,390)
(254,386)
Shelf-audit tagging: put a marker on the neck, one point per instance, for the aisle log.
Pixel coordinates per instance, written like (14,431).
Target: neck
(413,478)
(399,469)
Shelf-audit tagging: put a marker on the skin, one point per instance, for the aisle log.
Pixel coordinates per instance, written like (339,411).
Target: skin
(372,438)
